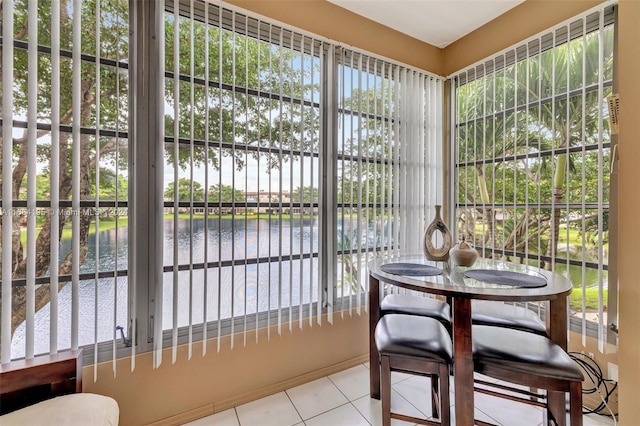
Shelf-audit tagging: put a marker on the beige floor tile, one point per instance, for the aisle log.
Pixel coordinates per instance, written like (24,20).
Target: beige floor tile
(316,397)
(274,410)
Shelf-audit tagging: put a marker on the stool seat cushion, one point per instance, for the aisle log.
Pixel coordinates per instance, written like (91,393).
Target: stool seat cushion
(416,305)
(413,336)
(521,352)
(508,316)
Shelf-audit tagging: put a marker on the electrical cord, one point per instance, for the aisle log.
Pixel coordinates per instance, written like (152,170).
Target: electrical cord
(601,386)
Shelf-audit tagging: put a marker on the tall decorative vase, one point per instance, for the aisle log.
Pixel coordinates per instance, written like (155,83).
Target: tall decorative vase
(432,252)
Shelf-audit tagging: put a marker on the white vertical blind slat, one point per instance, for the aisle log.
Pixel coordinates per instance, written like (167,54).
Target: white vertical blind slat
(220,137)
(350,105)
(601,167)
(96,301)
(301,184)
(377,224)
(54,189)
(396,156)
(330,168)
(291,143)
(246,180)
(233,179)
(7,185)
(158,310)
(567,173)
(191,170)
(270,189)
(114,346)
(363,279)
(176,177)
(258,196)
(312,187)
(583,321)
(280,177)
(75,176)
(391,240)
(32,114)
(205,298)
(361,119)
(132,284)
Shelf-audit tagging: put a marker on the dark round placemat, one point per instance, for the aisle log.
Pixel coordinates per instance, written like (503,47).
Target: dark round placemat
(515,279)
(411,269)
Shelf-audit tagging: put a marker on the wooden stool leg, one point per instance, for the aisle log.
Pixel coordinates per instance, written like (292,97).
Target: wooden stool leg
(445,404)
(575,408)
(435,399)
(385,390)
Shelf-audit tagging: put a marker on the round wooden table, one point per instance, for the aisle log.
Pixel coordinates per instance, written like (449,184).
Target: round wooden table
(461,291)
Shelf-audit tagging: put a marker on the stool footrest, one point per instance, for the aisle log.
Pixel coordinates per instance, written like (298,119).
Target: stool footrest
(412,419)
(510,389)
(511,397)
(481,423)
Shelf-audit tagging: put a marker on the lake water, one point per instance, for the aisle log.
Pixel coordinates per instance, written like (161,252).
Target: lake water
(240,289)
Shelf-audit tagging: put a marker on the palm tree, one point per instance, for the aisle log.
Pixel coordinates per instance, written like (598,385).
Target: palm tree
(533,106)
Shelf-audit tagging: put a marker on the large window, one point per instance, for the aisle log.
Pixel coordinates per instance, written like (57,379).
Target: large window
(241,177)
(388,165)
(532,158)
(64,174)
(176,171)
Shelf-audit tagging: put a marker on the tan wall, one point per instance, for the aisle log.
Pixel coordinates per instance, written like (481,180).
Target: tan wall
(629,143)
(610,354)
(202,386)
(326,19)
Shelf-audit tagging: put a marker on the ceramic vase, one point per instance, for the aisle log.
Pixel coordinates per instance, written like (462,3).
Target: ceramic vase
(463,254)
(437,253)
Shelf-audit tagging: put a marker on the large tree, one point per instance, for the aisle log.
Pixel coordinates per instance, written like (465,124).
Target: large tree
(280,127)
(186,189)
(550,123)
(113,46)
(225,193)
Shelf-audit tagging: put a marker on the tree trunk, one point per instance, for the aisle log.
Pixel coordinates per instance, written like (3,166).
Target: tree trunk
(44,238)
(558,197)
(487,212)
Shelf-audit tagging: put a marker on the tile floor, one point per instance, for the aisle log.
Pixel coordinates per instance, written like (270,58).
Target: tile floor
(342,399)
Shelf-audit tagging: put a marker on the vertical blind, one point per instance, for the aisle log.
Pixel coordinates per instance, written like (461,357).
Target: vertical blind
(242,173)
(389,171)
(532,149)
(64,176)
(289,162)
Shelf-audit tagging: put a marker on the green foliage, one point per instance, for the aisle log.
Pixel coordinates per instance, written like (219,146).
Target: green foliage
(225,193)
(530,108)
(233,115)
(592,297)
(186,188)
(308,194)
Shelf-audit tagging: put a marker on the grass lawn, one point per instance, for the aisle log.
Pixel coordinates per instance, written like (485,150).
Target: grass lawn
(575,299)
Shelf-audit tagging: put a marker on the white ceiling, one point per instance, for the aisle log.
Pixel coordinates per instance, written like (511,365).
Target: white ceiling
(437,22)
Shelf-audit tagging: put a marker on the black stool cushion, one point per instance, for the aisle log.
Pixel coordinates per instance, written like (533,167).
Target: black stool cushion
(414,336)
(416,305)
(502,315)
(521,352)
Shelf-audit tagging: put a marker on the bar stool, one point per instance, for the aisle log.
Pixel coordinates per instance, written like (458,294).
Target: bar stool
(417,305)
(415,345)
(483,312)
(527,359)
